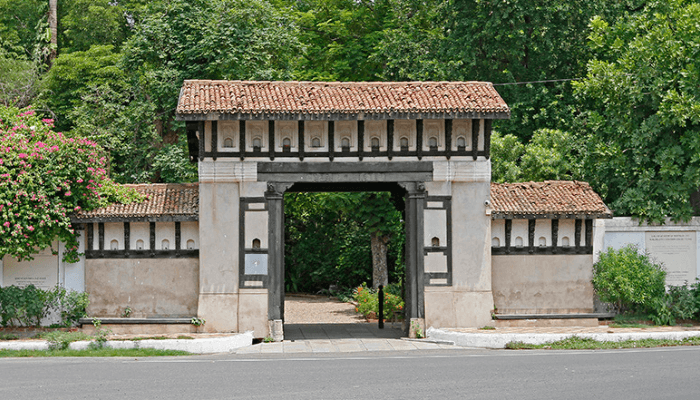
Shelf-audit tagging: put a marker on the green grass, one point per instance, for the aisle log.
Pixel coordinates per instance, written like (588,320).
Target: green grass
(631,321)
(577,343)
(8,336)
(105,352)
(487,328)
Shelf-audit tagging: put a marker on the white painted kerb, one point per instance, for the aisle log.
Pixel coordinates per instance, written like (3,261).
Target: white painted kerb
(500,340)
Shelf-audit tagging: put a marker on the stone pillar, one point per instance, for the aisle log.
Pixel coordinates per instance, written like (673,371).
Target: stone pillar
(275,205)
(415,307)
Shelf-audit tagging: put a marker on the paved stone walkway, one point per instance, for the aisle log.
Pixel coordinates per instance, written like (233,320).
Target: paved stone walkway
(341,338)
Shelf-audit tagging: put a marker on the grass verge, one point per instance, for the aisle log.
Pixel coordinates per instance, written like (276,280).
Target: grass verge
(577,343)
(104,352)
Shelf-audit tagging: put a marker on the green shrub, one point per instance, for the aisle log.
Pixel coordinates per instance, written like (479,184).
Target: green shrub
(630,281)
(29,305)
(682,302)
(368,301)
(59,340)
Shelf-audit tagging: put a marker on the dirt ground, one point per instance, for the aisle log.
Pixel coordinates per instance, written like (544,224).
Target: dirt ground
(310,309)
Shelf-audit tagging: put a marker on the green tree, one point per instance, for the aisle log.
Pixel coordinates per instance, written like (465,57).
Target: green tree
(23,26)
(550,155)
(85,23)
(641,111)
(340,36)
(18,81)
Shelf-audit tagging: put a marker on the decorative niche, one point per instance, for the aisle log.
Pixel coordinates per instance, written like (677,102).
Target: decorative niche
(462,135)
(286,136)
(227,136)
(345,136)
(315,136)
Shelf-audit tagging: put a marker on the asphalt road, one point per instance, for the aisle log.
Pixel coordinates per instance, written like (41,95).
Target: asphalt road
(671,373)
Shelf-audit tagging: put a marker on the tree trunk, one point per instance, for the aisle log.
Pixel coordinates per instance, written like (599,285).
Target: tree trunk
(380,272)
(53,26)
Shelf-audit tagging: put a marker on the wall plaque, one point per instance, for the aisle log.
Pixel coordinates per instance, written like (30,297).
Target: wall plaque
(677,251)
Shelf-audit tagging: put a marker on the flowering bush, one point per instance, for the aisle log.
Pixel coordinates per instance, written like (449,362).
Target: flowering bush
(368,301)
(44,177)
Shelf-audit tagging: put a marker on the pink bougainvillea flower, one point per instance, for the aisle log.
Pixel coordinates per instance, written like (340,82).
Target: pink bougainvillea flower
(6,224)
(31,228)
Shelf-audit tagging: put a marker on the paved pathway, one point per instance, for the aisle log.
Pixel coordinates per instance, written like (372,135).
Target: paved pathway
(341,338)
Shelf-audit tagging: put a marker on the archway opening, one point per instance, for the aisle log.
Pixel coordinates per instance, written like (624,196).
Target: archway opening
(333,238)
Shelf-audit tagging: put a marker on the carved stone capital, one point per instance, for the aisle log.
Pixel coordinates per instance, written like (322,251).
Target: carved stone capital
(275,190)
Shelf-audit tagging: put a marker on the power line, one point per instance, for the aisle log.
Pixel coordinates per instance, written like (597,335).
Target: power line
(547,81)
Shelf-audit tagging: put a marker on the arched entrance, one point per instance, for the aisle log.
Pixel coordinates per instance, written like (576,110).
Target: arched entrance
(410,191)
(256,140)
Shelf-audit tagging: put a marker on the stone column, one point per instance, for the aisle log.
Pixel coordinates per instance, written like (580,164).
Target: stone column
(415,307)
(275,205)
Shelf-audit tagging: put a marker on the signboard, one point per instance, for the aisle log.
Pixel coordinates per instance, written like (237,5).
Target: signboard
(41,272)
(677,252)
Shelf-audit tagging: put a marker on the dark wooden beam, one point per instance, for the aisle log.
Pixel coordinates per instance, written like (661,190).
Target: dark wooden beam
(577,233)
(136,254)
(487,137)
(241,138)
(101,236)
(178,238)
(90,238)
(271,138)
(509,231)
(448,138)
(214,139)
(360,139)
(300,134)
(331,140)
(589,233)
(127,238)
(192,141)
(475,138)
(419,138)
(539,250)
(390,138)
(152,229)
(555,234)
(201,140)
(531,235)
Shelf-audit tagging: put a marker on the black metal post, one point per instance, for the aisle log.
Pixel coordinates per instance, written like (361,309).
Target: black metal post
(380,296)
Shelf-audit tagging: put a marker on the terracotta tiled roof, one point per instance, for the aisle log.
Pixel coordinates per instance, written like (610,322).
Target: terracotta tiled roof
(165,201)
(330,100)
(548,199)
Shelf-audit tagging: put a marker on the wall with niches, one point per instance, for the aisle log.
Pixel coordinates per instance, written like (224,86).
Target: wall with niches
(572,236)
(354,138)
(145,239)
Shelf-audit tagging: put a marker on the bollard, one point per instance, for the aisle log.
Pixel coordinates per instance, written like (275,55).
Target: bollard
(380,315)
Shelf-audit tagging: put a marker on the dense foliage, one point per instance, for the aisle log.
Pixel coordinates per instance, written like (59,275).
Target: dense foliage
(641,103)
(368,301)
(628,279)
(328,240)
(45,176)
(29,305)
(634,284)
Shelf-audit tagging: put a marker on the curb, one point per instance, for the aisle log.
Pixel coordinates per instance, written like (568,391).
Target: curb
(499,341)
(222,344)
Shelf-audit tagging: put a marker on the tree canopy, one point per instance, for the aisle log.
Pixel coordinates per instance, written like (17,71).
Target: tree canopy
(641,111)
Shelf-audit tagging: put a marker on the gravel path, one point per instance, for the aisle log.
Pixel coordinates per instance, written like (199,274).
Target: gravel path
(313,309)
